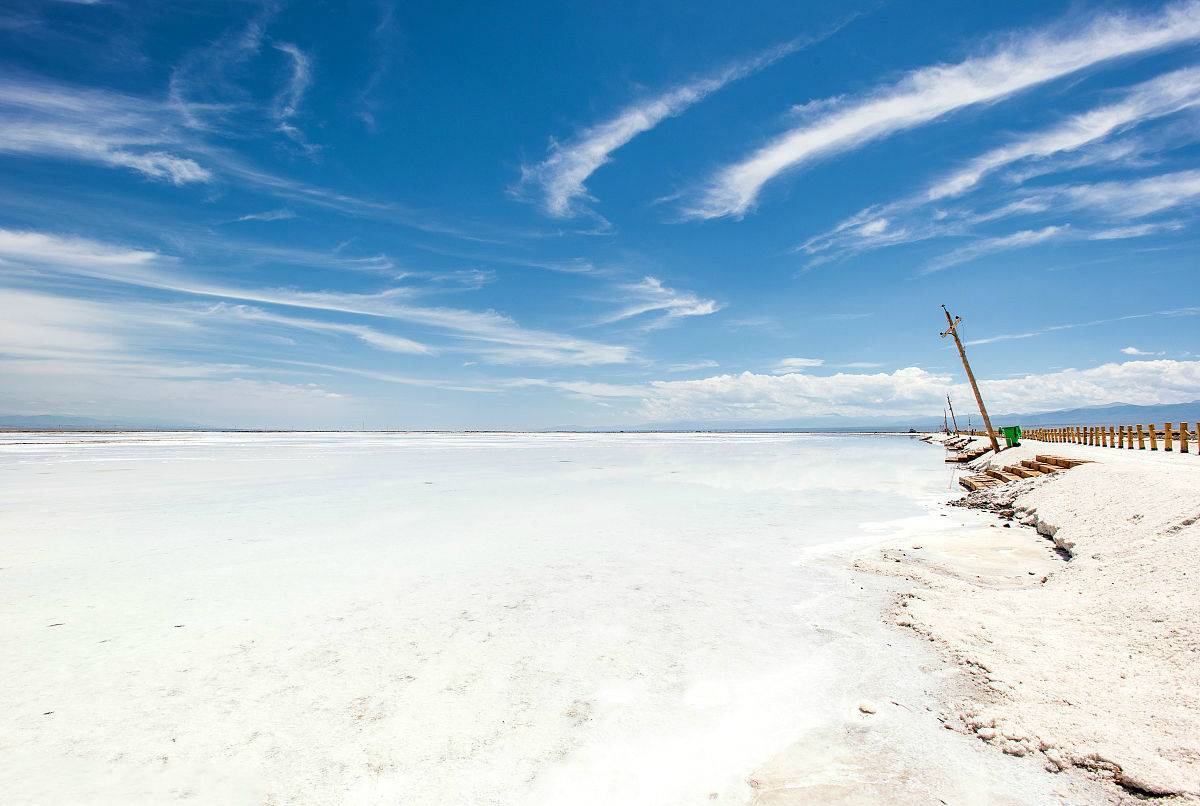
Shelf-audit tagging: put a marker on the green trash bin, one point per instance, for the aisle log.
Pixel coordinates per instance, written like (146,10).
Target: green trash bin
(1012,435)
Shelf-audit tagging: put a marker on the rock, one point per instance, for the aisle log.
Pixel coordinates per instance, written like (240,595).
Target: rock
(1029,520)
(866,707)
(1152,776)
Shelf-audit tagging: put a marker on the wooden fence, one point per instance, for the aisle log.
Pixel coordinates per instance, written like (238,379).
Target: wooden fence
(1141,436)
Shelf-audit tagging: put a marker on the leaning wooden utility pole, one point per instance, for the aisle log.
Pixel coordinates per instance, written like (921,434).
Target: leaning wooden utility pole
(953,419)
(953,331)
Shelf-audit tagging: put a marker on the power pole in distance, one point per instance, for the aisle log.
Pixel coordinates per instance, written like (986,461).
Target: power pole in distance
(953,331)
(953,419)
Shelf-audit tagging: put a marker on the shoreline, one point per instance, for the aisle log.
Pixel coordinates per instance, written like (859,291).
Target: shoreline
(1071,628)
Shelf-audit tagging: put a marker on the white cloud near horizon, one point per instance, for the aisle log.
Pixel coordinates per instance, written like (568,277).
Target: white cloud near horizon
(750,397)
(926,94)
(560,177)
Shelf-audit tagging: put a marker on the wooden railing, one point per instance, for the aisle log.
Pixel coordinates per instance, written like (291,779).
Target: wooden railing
(1141,436)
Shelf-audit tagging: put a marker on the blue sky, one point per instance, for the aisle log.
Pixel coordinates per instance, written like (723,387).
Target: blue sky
(417,216)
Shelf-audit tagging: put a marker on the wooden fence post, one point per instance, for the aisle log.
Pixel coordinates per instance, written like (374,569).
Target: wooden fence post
(1120,436)
(1141,438)
(1112,434)
(1183,446)
(1167,437)
(1153,438)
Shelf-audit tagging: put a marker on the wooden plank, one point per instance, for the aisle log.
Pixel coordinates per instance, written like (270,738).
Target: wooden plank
(1051,459)
(1023,472)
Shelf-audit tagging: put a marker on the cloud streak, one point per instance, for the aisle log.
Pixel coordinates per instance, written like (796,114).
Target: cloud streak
(492,336)
(560,177)
(1158,97)
(651,296)
(1000,243)
(287,102)
(1174,312)
(98,127)
(929,93)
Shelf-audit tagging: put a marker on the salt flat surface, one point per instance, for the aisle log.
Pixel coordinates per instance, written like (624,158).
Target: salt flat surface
(462,619)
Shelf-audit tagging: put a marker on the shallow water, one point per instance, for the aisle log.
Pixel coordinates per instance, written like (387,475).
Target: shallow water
(435,619)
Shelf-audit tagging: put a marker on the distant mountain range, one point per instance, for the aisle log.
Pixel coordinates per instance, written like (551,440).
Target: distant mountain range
(56,422)
(1112,414)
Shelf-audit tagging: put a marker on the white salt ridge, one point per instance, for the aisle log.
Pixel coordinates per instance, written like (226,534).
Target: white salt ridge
(476,619)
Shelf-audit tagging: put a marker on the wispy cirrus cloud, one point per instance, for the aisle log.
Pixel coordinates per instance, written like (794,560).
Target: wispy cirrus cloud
(924,95)
(492,336)
(649,295)
(269,215)
(1113,202)
(1158,97)
(57,325)
(287,102)
(692,366)
(94,126)
(1030,334)
(1031,237)
(383,41)
(1133,197)
(999,243)
(786,365)
(559,178)
(368,335)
